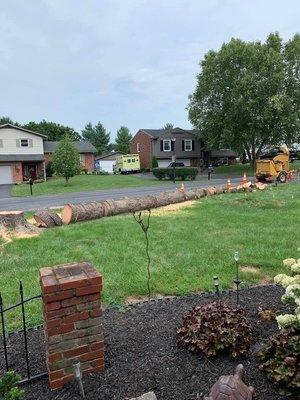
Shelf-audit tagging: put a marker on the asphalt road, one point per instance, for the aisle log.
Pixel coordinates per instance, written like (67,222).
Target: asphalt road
(55,201)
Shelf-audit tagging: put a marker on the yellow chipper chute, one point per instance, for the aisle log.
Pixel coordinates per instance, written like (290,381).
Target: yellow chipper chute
(276,169)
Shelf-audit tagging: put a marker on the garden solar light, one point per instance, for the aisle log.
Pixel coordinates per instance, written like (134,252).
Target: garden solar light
(78,377)
(237,280)
(216,283)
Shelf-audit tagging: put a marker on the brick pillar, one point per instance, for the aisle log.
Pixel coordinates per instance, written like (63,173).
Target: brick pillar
(72,320)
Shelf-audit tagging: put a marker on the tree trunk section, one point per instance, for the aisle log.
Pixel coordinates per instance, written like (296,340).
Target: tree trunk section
(47,218)
(89,211)
(15,221)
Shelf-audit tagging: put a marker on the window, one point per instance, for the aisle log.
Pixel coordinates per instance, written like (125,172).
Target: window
(24,143)
(167,145)
(82,159)
(133,160)
(129,160)
(188,146)
(138,147)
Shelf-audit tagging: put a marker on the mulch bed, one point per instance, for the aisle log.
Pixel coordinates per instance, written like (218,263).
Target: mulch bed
(142,354)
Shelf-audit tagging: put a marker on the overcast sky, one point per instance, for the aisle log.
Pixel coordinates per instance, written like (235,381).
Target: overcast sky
(121,62)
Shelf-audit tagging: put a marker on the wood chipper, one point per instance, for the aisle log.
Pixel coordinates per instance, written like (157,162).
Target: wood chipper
(277,168)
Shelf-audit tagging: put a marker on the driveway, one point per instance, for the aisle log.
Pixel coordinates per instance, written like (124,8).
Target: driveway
(56,201)
(5,191)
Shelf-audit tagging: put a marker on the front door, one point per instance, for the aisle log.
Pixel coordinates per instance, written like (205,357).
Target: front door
(30,171)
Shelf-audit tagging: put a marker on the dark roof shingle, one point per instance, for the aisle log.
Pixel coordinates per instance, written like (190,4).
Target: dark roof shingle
(81,146)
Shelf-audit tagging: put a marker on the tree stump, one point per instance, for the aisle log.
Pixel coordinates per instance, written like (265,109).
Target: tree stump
(15,221)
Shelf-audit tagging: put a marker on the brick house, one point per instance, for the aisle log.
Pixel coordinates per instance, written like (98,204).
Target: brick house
(24,154)
(85,149)
(165,145)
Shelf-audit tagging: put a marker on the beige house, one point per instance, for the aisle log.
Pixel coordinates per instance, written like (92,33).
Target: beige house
(21,154)
(24,154)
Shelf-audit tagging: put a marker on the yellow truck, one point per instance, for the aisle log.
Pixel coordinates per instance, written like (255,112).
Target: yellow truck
(277,168)
(127,164)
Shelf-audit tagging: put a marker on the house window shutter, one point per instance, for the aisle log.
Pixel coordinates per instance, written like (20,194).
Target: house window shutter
(30,143)
(18,142)
(193,144)
(182,145)
(172,145)
(161,145)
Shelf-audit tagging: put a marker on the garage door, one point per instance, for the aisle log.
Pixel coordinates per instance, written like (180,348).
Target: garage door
(107,165)
(5,174)
(164,163)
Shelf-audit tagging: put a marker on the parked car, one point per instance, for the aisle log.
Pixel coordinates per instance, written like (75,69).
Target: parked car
(176,165)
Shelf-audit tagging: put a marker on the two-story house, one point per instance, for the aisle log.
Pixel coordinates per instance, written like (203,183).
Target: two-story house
(24,154)
(165,145)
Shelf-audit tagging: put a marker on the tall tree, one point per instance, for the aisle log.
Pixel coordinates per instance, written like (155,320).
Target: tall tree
(52,130)
(247,95)
(123,140)
(65,159)
(98,136)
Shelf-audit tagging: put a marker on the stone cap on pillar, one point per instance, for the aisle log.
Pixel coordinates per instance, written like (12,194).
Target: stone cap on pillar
(74,279)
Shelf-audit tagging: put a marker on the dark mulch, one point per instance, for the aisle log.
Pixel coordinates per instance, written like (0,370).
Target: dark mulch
(142,354)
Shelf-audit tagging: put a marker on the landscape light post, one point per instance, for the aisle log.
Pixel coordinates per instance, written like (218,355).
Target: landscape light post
(237,280)
(30,185)
(173,158)
(216,283)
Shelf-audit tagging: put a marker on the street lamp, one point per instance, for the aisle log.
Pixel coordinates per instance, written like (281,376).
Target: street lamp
(237,280)
(173,157)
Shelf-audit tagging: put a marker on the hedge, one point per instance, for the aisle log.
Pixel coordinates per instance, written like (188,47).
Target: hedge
(180,173)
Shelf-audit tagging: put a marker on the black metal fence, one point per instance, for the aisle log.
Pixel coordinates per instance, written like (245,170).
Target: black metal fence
(21,304)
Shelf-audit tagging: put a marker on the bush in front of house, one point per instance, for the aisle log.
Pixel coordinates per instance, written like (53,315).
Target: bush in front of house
(49,169)
(154,162)
(180,173)
(215,327)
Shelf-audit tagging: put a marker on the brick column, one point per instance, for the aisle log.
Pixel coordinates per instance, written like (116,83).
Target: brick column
(72,320)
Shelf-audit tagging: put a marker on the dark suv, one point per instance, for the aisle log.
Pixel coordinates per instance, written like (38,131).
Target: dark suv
(176,165)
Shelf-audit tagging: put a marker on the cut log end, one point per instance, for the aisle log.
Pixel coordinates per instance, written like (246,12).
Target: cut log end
(15,221)
(47,218)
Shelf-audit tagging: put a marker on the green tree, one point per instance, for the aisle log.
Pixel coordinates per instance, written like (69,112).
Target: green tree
(7,120)
(123,140)
(168,127)
(65,159)
(247,95)
(98,136)
(52,130)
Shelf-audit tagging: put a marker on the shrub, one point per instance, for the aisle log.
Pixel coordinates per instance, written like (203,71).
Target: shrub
(154,162)
(280,360)
(8,386)
(215,327)
(181,173)
(49,169)
(280,357)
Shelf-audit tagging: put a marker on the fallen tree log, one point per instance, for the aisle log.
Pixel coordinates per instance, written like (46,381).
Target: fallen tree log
(47,218)
(15,221)
(94,210)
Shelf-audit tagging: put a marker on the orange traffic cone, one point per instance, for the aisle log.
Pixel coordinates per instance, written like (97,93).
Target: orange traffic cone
(182,188)
(244,180)
(228,184)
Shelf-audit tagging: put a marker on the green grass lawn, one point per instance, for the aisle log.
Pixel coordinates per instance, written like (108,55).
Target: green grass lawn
(188,248)
(83,183)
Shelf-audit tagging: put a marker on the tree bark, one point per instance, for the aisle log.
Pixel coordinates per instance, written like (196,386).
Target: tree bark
(89,211)
(47,218)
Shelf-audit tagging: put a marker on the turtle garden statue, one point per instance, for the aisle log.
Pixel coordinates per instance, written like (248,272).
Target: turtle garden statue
(231,387)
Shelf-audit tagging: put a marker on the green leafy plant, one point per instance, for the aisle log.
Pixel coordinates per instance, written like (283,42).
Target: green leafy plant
(8,386)
(280,357)
(154,162)
(280,360)
(180,173)
(213,328)
(66,160)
